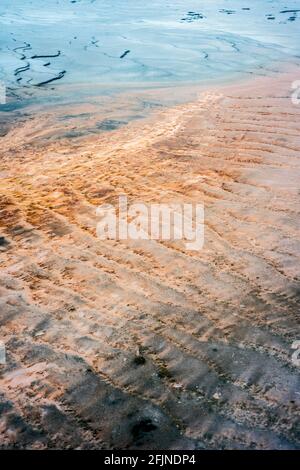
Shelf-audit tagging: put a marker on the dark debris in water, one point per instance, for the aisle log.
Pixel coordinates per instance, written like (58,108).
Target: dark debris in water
(228,12)
(125,54)
(46,56)
(193,16)
(58,77)
(21,51)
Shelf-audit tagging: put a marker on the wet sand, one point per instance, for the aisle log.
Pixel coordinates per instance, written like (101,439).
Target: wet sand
(137,344)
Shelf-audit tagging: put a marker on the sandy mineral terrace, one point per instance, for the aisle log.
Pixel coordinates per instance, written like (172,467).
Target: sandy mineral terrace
(134,344)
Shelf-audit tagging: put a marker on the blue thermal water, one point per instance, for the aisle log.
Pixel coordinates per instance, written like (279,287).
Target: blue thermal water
(105,45)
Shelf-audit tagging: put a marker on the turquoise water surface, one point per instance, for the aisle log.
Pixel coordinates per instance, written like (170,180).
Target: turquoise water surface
(63,48)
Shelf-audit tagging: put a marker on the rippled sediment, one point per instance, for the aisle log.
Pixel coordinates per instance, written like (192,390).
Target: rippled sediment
(145,345)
